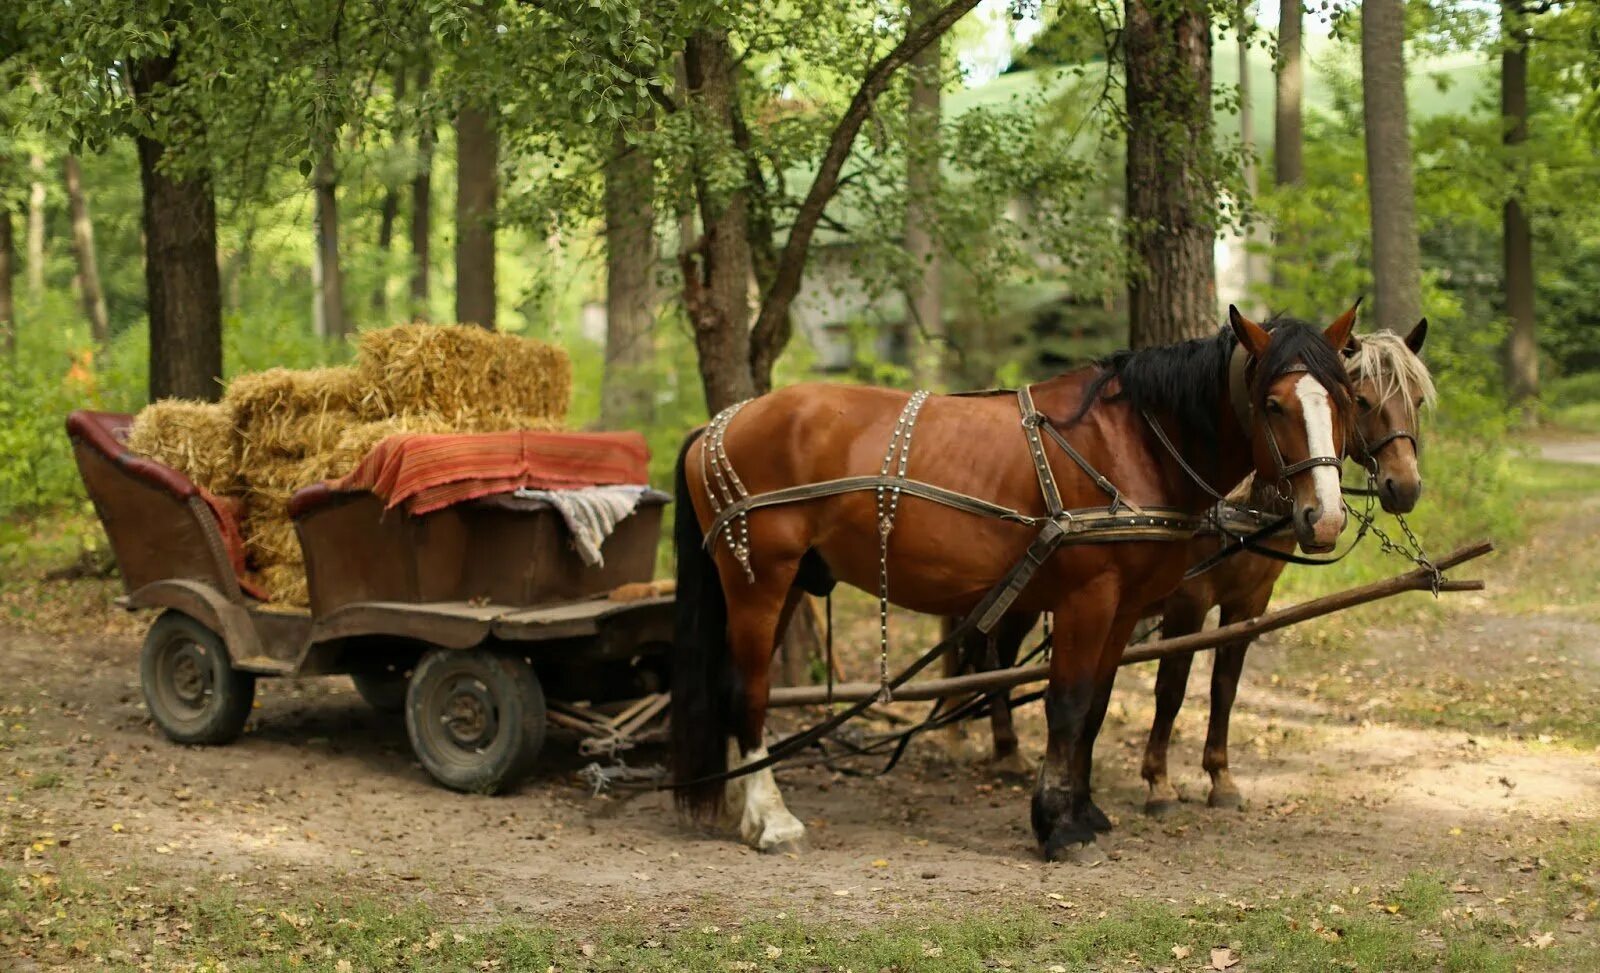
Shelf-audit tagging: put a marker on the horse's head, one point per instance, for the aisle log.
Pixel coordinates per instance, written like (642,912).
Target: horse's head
(1293,397)
(1392,386)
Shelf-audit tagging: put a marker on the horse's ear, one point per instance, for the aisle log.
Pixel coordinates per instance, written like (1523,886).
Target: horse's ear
(1338,333)
(1418,335)
(1253,336)
(1353,348)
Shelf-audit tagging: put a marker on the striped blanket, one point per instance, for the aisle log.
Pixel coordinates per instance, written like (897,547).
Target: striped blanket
(431,472)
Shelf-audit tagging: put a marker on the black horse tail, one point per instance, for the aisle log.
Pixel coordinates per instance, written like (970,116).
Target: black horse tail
(705,686)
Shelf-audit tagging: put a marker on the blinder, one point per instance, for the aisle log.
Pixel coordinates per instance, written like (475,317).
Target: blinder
(1239,395)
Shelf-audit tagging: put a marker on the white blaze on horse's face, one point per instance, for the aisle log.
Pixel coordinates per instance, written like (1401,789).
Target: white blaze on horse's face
(755,805)
(1317,410)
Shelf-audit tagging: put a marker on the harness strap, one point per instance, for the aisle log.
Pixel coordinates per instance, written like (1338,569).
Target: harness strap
(1031,420)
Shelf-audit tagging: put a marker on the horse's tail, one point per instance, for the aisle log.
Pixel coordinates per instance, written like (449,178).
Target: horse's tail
(705,685)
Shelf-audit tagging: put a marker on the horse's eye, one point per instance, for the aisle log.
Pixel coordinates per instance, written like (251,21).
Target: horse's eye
(1275,407)
(1364,403)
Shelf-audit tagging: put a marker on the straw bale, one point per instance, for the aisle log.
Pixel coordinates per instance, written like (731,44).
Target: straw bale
(195,438)
(271,540)
(455,370)
(280,412)
(285,584)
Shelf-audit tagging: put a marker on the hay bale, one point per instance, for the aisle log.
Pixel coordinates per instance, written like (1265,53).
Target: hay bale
(457,370)
(271,540)
(195,438)
(281,412)
(285,584)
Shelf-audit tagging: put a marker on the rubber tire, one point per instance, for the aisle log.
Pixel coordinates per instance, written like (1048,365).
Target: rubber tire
(221,718)
(520,717)
(384,690)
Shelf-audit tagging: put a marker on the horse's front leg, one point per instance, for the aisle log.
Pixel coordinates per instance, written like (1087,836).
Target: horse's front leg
(1226,670)
(1182,617)
(1007,640)
(757,614)
(1064,817)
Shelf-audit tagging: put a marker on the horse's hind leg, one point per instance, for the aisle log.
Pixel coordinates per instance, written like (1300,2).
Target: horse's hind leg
(1225,672)
(1007,640)
(756,614)
(1172,681)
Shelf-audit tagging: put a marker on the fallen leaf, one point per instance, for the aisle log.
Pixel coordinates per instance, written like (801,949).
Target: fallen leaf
(1223,958)
(1544,940)
(773,952)
(1181,952)
(880,863)
(587,949)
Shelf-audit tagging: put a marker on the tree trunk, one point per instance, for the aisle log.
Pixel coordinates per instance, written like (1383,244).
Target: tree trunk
(1396,260)
(924,295)
(1522,349)
(477,150)
(421,208)
(180,229)
(94,299)
(1172,290)
(626,393)
(1254,240)
(1289,137)
(388,212)
(8,269)
(330,291)
(717,269)
(36,203)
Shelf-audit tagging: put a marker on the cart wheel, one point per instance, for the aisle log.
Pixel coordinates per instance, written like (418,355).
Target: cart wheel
(384,690)
(475,718)
(192,689)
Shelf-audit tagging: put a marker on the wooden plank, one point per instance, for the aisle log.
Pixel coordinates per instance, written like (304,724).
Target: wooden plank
(1418,580)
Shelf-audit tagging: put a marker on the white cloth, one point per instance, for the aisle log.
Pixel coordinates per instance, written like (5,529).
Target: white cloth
(591,513)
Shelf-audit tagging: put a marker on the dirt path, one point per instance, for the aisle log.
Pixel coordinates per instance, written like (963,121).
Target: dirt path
(323,790)
(1584,450)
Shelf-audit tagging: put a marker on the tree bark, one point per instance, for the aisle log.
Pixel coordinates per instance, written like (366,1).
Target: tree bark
(1396,258)
(1289,132)
(924,295)
(180,228)
(1522,349)
(94,299)
(477,151)
(421,207)
(8,269)
(330,291)
(1172,291)
(717,269)
(625,389)
(388,212)
(1254,240)
(36,204)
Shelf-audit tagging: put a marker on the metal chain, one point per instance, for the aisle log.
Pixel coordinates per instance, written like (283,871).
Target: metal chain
(897,456)
(729,489)
(1412,551)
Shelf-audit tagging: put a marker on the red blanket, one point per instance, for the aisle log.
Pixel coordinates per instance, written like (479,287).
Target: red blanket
(430,472)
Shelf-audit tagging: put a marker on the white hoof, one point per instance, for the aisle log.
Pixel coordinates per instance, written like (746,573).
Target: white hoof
(780,832)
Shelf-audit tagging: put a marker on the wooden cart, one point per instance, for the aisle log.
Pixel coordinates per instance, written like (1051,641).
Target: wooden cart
(464,619)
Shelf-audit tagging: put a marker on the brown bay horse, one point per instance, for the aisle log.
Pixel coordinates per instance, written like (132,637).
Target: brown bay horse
(1391,386)
(1279,416)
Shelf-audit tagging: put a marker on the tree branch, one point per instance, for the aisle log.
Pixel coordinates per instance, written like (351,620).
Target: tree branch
(658,94)
(791,263)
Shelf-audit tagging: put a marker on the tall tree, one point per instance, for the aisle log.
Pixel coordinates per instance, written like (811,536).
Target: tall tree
(180,229)
(94,298)
(388,212)
(330,288)
(924,296)
(625,392)
(1522,350)
(477,155)
(37,197)
(1172,292)
(421,204)
(1396,256)
(1255,239)
(8,269)
(1288,131)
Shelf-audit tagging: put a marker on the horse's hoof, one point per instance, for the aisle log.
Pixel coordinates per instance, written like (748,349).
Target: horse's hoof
(1226,800)
(791,846)
(1078,853)
(1160,807)
(1013,764)
(1095,818)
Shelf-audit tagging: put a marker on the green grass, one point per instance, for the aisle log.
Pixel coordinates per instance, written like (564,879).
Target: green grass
(124,922)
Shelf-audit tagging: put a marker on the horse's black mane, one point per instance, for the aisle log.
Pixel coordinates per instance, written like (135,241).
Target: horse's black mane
(1188,380)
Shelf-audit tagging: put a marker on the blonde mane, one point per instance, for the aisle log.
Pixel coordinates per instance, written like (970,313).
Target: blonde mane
(1385,359)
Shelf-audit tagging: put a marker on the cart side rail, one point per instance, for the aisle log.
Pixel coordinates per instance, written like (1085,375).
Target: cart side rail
(159,524)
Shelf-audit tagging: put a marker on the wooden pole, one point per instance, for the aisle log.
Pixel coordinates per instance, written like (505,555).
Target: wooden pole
(983,682)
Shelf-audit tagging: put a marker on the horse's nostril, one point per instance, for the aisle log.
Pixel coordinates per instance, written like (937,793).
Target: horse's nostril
(1388,484)
(1311,515)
